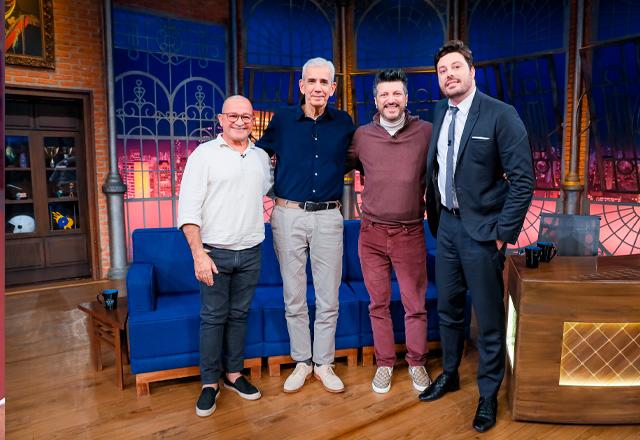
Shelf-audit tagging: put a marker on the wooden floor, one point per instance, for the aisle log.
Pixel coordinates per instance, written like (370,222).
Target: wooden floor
(53,393)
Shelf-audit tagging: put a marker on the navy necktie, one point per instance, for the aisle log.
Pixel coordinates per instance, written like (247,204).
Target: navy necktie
(448,186)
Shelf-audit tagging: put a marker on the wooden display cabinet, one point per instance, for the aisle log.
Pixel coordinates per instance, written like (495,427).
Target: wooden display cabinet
(46,211)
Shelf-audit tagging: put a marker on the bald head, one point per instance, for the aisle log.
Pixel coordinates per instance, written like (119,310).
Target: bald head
(236,120)
(235,100)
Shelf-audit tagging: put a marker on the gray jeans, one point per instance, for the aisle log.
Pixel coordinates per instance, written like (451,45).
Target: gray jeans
(224,309)
(296,234)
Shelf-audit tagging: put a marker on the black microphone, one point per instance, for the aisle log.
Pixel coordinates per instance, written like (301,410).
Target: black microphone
(243,155)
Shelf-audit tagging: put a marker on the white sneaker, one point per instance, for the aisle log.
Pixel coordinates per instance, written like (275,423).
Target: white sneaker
(420,378)
(296,380)
(381,382)
(330,381)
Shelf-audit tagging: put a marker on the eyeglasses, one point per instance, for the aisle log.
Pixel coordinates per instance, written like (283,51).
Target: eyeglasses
(247,118)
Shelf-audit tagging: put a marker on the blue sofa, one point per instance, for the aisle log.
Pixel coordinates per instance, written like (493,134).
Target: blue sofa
(164,303)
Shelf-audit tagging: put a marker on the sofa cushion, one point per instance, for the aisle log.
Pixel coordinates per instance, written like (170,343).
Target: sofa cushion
(174,328)
(276,335)
(164,362)
(352,261)
(270,269)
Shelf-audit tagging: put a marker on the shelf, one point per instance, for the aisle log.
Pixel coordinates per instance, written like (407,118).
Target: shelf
(18,202)
(19,236)
(72,231)
(61,169)
(62,199)
(16,169)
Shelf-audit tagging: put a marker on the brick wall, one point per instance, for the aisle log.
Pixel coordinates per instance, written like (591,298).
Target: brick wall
(80,65)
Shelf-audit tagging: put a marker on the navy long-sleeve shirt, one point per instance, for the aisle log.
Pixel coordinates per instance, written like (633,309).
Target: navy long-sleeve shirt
(310,154)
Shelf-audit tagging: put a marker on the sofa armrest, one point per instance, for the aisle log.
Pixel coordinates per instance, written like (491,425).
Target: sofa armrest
(141,288)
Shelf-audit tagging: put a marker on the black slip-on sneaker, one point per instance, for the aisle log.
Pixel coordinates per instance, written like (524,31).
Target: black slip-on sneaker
(207,401)
(243,387)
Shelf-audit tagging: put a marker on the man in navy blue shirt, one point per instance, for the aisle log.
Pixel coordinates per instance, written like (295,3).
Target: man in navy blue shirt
(310,144)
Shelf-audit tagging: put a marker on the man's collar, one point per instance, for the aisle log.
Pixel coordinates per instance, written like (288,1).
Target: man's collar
(408,117)
(465,104)
(328,111)
(222,143)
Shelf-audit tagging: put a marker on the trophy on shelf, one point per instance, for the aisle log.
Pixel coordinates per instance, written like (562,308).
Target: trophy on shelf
(51,153)
(67,153)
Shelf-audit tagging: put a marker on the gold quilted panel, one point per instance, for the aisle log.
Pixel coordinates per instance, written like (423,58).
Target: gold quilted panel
(600,354)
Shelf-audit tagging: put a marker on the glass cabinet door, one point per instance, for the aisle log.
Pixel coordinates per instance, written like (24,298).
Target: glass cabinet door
(59,155)
(19,196)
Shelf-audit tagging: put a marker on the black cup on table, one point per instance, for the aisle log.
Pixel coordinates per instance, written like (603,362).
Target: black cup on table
(549,251)
(532,256)
(109,299)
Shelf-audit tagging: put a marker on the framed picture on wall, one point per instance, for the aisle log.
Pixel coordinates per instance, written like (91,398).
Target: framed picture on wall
(28,33)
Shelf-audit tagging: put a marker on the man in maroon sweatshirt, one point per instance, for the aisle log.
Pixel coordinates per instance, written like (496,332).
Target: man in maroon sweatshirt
(392,152)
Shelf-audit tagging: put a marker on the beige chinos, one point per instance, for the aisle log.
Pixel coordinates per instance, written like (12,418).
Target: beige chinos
(296,235)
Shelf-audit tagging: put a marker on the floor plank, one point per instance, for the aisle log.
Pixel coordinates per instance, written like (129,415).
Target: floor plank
(53,393)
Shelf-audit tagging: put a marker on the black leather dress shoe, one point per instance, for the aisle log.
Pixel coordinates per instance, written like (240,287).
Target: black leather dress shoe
(485,417)
(442,385)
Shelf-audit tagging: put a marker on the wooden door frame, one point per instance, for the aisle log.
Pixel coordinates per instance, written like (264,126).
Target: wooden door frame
(86,98)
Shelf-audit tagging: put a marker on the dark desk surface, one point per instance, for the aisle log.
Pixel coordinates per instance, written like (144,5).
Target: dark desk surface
(577,269)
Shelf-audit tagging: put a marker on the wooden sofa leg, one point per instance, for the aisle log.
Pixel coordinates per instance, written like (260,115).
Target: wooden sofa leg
(274,363)
(144,379)
(255,365)
(274,370)
(367,356)
(142,387)
(350,353)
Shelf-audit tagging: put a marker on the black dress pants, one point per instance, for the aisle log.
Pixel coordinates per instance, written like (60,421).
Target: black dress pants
(462,264)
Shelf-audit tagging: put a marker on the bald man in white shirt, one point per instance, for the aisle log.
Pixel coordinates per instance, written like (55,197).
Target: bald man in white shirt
(220,214)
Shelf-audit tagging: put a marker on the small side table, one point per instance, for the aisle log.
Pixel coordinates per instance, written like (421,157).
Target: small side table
(108,326)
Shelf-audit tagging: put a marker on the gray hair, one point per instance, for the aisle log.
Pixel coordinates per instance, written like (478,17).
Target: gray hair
(320,62)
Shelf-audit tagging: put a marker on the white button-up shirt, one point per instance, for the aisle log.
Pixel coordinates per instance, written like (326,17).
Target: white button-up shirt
(222,193)
(461,120)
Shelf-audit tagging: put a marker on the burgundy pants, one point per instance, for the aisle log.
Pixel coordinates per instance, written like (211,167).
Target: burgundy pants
(380,247)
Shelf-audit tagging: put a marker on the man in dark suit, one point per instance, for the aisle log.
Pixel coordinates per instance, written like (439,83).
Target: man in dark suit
(479,185)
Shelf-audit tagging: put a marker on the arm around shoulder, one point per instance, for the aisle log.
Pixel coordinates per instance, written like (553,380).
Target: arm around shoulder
(269,139)
(353,152)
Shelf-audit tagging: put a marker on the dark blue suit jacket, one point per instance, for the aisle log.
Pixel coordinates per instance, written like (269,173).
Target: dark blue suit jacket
(494,142)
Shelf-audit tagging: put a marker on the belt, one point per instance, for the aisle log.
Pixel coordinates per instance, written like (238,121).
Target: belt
(308,206)
(453,211)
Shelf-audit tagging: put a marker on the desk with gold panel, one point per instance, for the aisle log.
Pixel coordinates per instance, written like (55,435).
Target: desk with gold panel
(573,340)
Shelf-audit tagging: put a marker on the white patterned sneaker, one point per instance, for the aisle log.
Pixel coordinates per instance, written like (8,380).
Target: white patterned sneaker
(296,380)
(420,378)
(381,382)
(330,381)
